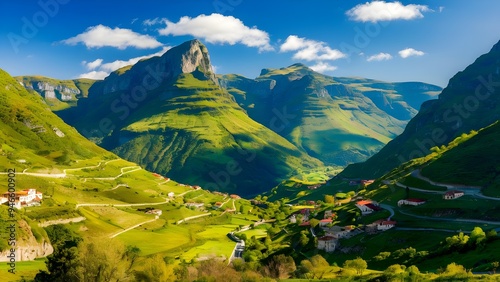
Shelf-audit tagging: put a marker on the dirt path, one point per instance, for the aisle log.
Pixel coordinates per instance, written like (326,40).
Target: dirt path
(193,217)
(122,205)
(135,226)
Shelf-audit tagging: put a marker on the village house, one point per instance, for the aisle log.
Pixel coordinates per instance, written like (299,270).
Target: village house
(217,205)
(155,211)
(383,225)
(328,214)
(367,206)
(327,243)
(454,194)
(171,194)
(367,182)
(24,198)
(196,205)
(325,222)
(411,202)
(305,223)
(234,196)
(293,219)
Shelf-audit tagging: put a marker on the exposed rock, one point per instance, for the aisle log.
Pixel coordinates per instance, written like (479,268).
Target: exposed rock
(28,248)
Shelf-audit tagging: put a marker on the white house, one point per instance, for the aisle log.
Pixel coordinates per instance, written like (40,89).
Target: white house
(454,194)
(327,243)
(325,222)
(171,194)
(411,202)
(23,198)
(293,219)
(367,206)
(383,225)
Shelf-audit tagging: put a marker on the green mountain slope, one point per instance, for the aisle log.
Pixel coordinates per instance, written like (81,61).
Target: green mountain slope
(337,120)
(185,125)
(58,94)
(31,133)
(469,102)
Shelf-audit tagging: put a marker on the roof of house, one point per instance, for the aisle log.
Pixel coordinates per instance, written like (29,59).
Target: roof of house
(326,220)
(326,238)
(415,200)
(387,222)
(373,207)
(305,223)
(364,202)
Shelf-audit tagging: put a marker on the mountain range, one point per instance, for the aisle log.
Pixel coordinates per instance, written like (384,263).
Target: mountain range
(469,102)
(174,115)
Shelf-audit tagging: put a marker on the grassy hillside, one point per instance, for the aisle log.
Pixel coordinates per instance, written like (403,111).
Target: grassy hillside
(337,120)
(32,135)
(469,102)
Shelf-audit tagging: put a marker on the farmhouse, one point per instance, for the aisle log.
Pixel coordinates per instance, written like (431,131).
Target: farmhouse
(411,202)
(171,194)
(367,206)
(367,182)
(293,219)
(383,225)
(24,198)
(234,196)
(325,222)
(454,194)
(155,211)
(327,243)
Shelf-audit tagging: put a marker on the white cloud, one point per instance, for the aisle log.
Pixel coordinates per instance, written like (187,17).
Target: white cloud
(97,75)
(101,36)
(379,57)
(441,9)
(134,20)
(386,11)
(155,21)
(92,65)
(409,52)
(310,50)
(323,67)
(105,69)
(217,28)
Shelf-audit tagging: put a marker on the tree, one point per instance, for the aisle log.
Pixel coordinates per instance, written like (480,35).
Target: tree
(280,267)
(494,266)
(329,199)
(102,259)
(314,222)
(477,236)
(155,270)
(357,264)
(394,271)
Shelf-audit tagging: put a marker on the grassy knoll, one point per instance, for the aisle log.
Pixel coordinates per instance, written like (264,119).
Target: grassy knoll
(24,269)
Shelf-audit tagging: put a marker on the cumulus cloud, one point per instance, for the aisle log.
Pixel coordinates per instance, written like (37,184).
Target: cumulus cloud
(97,75)
(323,67)
(219,29)
(310,50)
(409,52)
(100,36)
(386,11)
(105,69)
(92,65)
(379,57)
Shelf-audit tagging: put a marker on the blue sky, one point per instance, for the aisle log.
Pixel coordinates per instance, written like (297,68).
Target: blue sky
(416,40)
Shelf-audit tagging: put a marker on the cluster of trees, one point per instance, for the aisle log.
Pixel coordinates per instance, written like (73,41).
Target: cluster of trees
(462,242)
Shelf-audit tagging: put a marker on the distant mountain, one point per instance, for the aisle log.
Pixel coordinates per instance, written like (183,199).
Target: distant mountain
(170,115)
(31,133)
(469,102)
(337,120)
(58,94)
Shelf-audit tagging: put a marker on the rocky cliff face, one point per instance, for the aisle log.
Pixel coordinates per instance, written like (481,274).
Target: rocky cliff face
(188,57)
(28,248)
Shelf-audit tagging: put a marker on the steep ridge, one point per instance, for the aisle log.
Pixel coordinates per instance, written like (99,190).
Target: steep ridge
(469,102)
(32,133)
(58,94)
(338,120)
(170,115)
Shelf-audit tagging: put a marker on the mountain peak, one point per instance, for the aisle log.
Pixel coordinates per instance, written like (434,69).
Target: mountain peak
(188,57)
